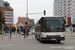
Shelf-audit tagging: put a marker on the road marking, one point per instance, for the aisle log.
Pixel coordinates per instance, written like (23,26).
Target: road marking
(34,37)
(31,37)
(5,45)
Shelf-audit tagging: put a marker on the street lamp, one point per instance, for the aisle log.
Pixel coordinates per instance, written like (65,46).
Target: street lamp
(27,13)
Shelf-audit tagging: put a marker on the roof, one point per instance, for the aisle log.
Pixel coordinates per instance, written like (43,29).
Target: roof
(23,17)
(5,2)
(2,4)
(51,16)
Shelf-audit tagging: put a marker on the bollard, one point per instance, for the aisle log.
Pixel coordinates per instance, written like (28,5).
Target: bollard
(16,35)
(19,32)
(2,31)
(71,31)
(10,31)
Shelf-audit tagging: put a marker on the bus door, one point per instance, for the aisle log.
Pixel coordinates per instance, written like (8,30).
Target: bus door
(38,31)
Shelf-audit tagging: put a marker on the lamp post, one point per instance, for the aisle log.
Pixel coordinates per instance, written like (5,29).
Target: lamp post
(26,20)
(27,13)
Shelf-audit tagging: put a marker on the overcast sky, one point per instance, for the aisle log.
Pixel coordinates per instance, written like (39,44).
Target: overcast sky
(34,6)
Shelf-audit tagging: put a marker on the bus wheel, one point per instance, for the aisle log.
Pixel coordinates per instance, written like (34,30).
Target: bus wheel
(40,39)
(58,41)
(35,36)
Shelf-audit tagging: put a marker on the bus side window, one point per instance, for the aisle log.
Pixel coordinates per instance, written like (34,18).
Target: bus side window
(38,28)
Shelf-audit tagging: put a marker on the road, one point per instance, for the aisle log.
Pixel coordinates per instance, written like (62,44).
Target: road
(30,43)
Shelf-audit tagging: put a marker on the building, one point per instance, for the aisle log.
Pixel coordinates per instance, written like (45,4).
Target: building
(72,11)
(7,12)
(31,22)
(22,20)
(65,8)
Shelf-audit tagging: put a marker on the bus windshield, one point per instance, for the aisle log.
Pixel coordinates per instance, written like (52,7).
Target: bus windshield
(53,25)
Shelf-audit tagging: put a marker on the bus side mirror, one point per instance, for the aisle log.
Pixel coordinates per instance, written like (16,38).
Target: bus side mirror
(64,22)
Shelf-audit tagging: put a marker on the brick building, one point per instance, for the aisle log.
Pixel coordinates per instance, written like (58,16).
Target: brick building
(31,22)
(7,12)
(22,20)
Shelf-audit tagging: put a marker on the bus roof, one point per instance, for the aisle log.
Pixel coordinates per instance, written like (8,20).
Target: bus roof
(51,16)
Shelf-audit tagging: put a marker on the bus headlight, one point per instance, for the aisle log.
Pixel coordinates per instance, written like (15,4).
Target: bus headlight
(43,35)
(63,34)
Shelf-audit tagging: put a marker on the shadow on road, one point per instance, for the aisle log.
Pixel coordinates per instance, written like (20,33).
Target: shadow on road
(51,42)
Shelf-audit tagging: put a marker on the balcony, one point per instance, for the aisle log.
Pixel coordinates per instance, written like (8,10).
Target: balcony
(8,14)
(8,17)
(9,22)
(8,11)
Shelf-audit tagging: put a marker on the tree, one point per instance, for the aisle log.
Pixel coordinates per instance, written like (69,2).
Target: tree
(17,23)
(2,19)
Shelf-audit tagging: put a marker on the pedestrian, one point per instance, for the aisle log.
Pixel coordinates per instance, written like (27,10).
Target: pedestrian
(17,29)
(14,29)
(26,31)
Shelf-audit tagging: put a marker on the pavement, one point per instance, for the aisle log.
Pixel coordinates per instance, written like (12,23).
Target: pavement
(70,35)
(30,43)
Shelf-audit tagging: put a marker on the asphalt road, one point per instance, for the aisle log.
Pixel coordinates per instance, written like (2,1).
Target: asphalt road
(30,43)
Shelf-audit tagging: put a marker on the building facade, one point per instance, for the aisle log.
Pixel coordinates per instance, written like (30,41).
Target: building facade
(31,22)
(65,8)
(22,20)
(7,12)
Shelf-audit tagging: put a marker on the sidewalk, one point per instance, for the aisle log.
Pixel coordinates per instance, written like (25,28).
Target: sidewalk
(14,36)
(70,35)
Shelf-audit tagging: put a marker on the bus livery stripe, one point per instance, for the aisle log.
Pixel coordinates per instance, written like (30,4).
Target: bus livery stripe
(52,35)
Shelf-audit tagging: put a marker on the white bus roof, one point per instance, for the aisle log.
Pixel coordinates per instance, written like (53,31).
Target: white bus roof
(51,16)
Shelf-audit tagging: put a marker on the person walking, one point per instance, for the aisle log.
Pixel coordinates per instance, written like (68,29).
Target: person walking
(26,31)
(14,29)
(17,29)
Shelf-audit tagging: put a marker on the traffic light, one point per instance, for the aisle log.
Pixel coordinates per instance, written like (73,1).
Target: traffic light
(1,25)
(44,12)
(25,22)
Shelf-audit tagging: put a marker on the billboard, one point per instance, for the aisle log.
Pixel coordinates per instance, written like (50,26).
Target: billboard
(73,20)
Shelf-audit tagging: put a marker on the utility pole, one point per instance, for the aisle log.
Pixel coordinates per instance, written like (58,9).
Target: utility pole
(27,13)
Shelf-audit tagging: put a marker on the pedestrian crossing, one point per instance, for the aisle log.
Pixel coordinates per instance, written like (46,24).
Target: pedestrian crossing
(31,37)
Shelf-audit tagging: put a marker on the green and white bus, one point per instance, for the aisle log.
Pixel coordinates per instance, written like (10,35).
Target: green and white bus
(50,28)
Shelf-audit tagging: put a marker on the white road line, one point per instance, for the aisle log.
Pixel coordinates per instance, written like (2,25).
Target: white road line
(6,45)
(34,37)
(30,37)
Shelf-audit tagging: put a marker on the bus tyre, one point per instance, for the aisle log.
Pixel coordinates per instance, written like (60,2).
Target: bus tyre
(58,41)
(40,39)
(35,36)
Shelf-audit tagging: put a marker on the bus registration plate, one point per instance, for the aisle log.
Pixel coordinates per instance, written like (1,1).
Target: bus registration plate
(53,39)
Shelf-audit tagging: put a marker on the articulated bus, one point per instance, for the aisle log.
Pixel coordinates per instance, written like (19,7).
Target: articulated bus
(50,28)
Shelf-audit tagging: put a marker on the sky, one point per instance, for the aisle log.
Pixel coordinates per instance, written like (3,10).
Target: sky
(34,6)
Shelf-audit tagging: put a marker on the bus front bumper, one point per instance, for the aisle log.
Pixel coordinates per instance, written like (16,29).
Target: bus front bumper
(53,38)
